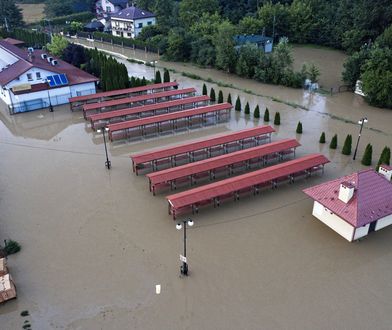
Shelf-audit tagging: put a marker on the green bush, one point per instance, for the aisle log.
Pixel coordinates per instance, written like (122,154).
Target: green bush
(256,113)
(220,97)
(347,145)
(229,99)
(205,92)
(247,108)
(334,142)
(266,115)
(277,119)
(238,104)
(322,138)
(212,95)
(385,157)
(166,75)
(11,247)
(299,128)
(158,78)
(367,156)
(85,16)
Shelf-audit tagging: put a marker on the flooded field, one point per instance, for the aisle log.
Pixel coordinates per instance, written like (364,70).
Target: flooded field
(95,243)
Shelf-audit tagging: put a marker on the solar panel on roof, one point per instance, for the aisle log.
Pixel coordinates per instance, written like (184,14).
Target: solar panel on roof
(57,80)
(51,81)
(64,79)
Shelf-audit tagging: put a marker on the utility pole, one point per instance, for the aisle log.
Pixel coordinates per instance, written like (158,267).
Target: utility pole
(6,24)
(273,28)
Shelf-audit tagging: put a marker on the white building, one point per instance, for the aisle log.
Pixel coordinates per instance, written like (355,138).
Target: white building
(105,8)
(129,22)
(31,79)
(356,204)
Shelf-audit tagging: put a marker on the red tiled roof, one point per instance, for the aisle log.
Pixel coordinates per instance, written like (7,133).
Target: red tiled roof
(13,41)
(75,76)
(244,181)
(372,198)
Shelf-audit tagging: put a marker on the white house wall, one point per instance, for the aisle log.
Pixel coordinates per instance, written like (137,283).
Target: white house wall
(384,222)
(129,26)
(24,80)
(333,221)
(82,89)
(144,21)
(361,232)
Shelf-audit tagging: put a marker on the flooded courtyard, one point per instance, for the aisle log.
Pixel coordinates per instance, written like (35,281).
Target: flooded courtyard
(95,243)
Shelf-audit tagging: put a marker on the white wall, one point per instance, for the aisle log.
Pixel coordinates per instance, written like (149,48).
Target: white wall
(361,231)
(342,227)
(384,222)
(82,89)
(24,80)
(129,28)
(144,21)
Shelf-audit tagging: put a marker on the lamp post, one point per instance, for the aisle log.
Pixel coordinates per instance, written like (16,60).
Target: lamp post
(105,129)
(50,102)
(360,122)
(184,266)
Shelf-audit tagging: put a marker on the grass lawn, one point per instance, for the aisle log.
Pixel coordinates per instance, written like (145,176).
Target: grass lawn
(32,12)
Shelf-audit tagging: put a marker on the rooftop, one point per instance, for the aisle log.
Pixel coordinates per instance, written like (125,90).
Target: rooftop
(133,13)
(75,76)
(372,198)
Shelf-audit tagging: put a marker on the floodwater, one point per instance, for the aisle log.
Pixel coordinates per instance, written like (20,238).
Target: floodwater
(96,242)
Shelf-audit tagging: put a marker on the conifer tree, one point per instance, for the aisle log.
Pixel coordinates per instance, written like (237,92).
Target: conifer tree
(166,75)
(212,95)
(158,78)
(334,142)
(347,145)
(277,118)
(247,108)
(385,157)
(238,104)
(266,115)
(144,81)
(256,113)
(220,97)
(322,138)
(205,89)
(132,82)
(367,156)
(299,128)
(229,99)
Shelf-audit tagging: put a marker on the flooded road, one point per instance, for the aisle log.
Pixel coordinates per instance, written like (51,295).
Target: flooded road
(96,242)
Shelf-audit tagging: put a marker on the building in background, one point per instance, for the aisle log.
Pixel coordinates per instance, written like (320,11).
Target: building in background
(129,22)
(32,79)
(355,205)
(262,42)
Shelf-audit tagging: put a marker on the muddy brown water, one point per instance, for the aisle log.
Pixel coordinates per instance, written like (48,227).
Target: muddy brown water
(96,242)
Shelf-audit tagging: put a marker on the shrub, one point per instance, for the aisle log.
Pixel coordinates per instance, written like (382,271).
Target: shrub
(229,99)
(347,145)
(334,142)
(11,247)
(238,104)
(24,313)
(322,138)
(205,89)
(385,157)
(158,78)
(220,97)
(247,108)
(256,113)
(166,75)
(299,128)
(367,156)
(266,115)
(277,119)
(212,95)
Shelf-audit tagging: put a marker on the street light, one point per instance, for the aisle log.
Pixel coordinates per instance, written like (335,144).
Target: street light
(50,102)
(107,163)
(184,266)
(360,122)
(153,63)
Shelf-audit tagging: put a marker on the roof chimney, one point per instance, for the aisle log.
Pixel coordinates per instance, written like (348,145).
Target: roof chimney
(346,191)
(386,171)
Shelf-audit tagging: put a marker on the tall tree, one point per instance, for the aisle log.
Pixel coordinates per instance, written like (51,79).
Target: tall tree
(10,14)
(191,10)
(224,45)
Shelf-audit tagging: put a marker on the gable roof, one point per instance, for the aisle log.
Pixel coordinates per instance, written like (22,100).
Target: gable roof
(372,198)
(13,41)
(133,13)
(119,2)
(75,76)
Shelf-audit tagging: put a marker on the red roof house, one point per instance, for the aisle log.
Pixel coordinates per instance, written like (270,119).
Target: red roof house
(356,204)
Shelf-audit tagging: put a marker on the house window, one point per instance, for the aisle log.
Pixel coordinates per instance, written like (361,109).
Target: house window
(117,24)
(108,9)
(140,25)
(129,34)
(29,77)
(118,32)
(38,75)
(149,23)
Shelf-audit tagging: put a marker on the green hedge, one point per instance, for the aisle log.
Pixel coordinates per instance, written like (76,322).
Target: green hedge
(85,16)
(31,38)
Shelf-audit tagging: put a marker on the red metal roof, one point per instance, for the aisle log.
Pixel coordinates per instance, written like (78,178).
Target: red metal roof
(138,98)
(220,161)
(200,144)
(244,181)
(122,91)
(372,199)
(168,116)
(148,107)
(75,76)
